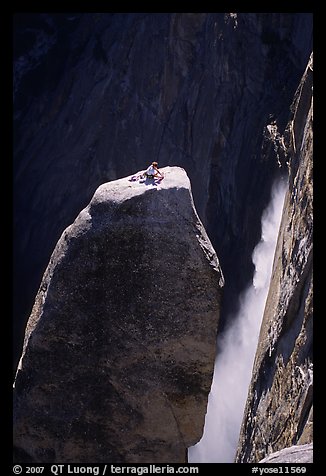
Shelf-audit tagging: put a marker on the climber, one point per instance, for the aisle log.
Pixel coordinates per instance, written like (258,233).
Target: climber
(152,171)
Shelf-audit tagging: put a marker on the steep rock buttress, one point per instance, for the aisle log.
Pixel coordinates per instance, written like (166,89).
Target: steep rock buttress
(279,406)
(120,345)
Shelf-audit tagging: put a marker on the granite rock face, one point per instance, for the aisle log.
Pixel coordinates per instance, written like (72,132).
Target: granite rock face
(294,454)
(279,407)
(97,93)
(120,346)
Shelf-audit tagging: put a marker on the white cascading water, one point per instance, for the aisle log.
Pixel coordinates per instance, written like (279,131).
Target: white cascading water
(237,348)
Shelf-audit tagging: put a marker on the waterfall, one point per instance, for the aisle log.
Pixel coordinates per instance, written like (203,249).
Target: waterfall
(237,347)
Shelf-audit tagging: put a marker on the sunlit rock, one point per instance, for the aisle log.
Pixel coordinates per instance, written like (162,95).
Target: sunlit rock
(295,454)
(280,400)
(120,346)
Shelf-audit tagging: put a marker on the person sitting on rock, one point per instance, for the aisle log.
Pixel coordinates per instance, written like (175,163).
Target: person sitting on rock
(152,171)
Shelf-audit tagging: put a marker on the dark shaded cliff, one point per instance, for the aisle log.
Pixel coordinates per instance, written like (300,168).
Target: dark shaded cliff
(120,346)
(98,95)
(279,409)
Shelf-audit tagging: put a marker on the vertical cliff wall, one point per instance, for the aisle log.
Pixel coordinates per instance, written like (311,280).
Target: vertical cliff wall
(280,401)
(98,96)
